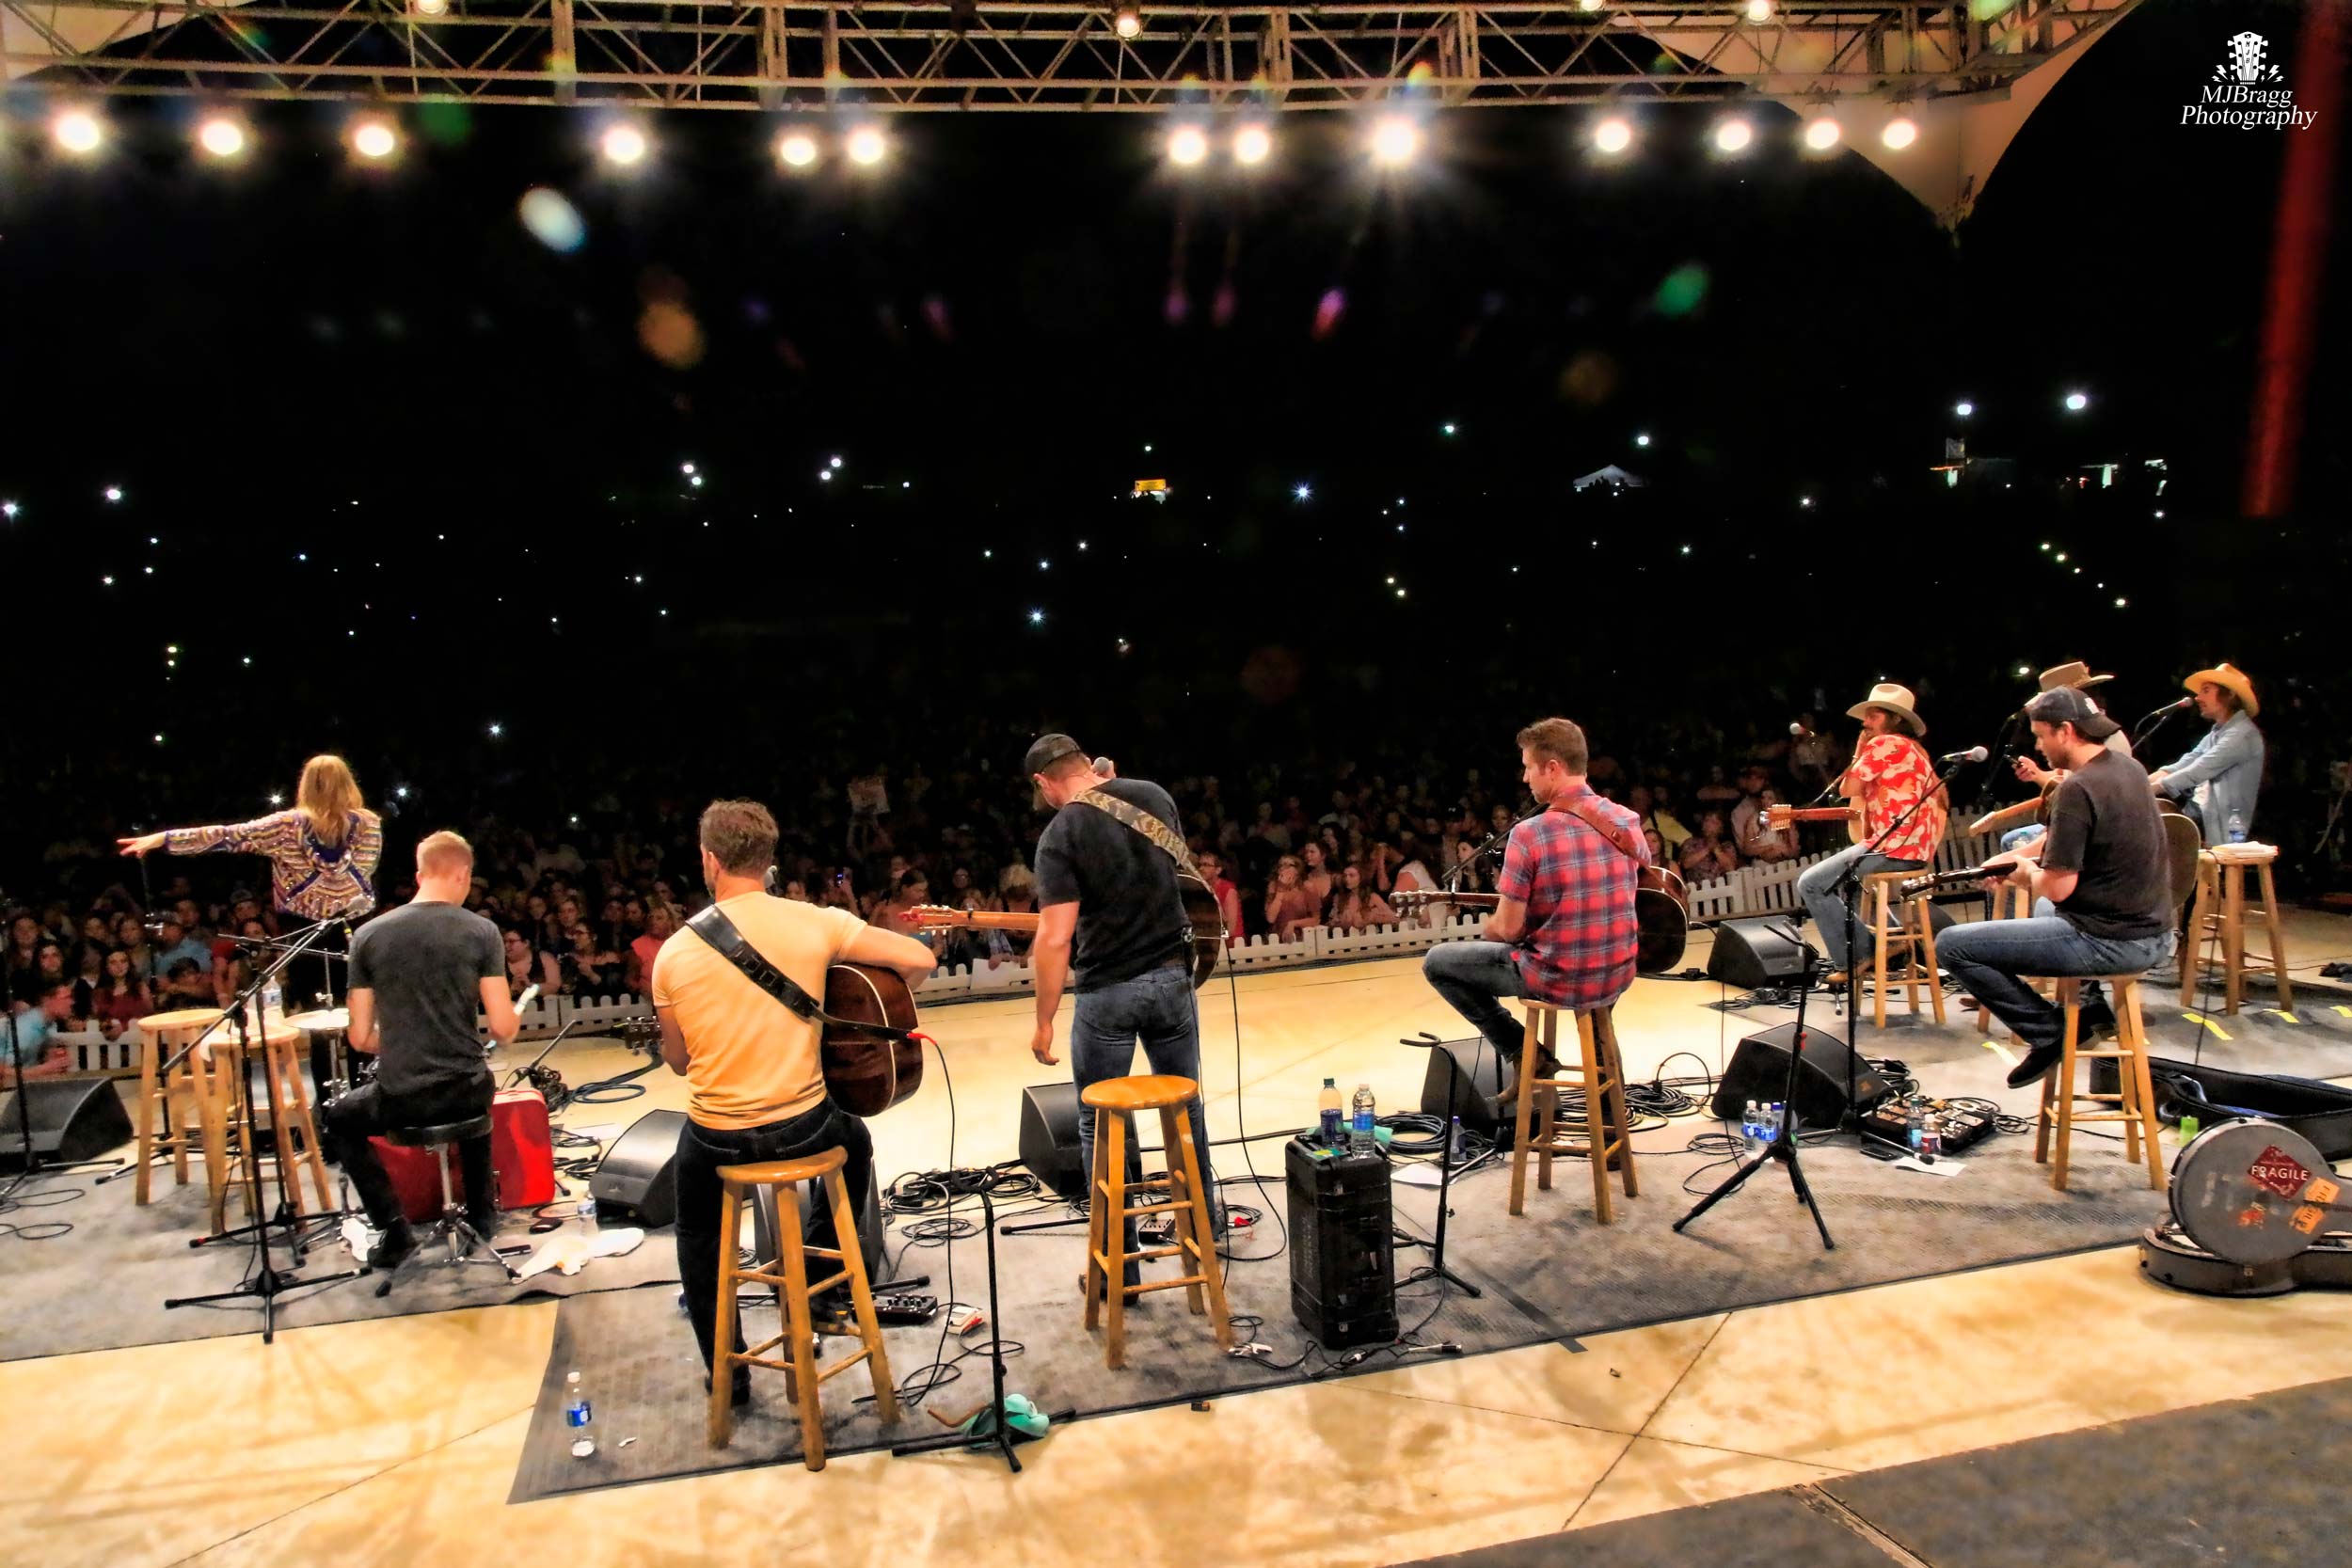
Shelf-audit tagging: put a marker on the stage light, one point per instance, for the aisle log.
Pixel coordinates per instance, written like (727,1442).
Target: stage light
(1447,429)
(1302,491)
(1822,134)
(796,148)
(2077,402)
(276,798)
(221,137)
(696,481)
(1589,5)
(1963,408)
(2121,603)
(114,492)
(10,510)
(867,145)
(685,467)
(1901,132)
(1037,617)
(1251,145)
(1394,141)
(77,130)
(623,144)
(431,7)
(497,730)
(1759,10)
(1127,21)
(1733,136)
(374,138)
(1613,135)
(835,464)
(1805,501)
(1641,440)
(1187,144)
(2025,669)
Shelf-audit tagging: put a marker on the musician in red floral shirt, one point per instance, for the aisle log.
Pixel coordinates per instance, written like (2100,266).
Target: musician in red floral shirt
(1890,773)
(1564,930)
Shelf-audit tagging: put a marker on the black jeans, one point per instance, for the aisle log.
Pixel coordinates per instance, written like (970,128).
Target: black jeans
(367,1111)
(701,1150)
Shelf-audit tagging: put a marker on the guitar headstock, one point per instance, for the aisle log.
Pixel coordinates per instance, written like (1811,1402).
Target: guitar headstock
(1412,898)
(929,916)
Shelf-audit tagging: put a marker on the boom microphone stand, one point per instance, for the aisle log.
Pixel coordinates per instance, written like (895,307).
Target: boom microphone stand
(1784,1145)
(266,1283)
(1849,890)
(1451,1133)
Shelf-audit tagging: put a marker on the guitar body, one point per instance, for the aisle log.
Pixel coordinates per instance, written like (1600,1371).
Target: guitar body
(1661,913)
(867,1074)
(1208,927)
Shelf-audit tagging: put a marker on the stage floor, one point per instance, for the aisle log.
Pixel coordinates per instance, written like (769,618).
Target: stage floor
(393,1440)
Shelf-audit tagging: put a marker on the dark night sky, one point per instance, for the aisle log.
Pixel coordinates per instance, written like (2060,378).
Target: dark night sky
(250,351)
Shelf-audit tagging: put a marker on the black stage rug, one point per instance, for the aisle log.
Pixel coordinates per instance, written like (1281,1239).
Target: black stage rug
(1551,1274)
(2254,1482)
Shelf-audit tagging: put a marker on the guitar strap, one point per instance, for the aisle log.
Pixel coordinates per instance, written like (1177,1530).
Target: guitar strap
(1148,825)
(1581,809)
(729,942)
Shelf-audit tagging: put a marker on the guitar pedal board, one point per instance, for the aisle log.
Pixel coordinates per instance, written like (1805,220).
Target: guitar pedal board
(906,1308)
(1963,1129)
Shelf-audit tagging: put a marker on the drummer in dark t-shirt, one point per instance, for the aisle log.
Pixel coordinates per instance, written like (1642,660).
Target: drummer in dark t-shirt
(1112,927)
(417,977)
(2102,890)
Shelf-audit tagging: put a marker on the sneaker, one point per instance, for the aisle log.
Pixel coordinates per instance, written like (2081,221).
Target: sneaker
(392,1247)
(739,1386)
(2036,1064)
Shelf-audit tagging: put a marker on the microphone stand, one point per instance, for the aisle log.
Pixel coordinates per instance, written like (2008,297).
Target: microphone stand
(1784,1145)
(1450,1133)
(2150,722)
(266,1283)
(1849,887)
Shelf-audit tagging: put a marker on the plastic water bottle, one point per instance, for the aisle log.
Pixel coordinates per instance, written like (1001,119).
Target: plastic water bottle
(1915,1133)
(579,1415)
(2236,828)
(1752,1129)
(1931,1137)
(588,1213)
(1360,1136)
(1334,1120)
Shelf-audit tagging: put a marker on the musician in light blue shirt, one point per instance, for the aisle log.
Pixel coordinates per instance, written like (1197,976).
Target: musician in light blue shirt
(2215,779)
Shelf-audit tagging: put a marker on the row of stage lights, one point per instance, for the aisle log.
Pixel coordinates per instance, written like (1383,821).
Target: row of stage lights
(1394,141)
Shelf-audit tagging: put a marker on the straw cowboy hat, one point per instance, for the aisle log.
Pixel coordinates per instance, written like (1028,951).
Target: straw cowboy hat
(1895,700)
(2075,674)
(2229,675)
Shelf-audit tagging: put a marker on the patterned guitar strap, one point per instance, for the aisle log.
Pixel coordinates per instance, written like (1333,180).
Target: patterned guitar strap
(1149,826)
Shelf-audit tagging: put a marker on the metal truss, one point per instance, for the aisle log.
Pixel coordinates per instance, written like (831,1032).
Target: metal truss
(977,55)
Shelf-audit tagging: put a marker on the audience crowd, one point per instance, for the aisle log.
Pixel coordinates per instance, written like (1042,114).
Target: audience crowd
(583,907)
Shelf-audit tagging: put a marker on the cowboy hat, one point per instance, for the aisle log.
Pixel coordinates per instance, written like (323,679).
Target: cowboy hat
(2231,677)
(1895,700)
(2074,673)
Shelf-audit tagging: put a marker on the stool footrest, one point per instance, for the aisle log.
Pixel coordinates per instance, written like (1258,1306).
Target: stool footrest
(1171,1207)
(1177,1284)
(836,1365)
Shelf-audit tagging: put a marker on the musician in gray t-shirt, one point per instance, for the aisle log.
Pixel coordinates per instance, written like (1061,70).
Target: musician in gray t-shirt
(417,975)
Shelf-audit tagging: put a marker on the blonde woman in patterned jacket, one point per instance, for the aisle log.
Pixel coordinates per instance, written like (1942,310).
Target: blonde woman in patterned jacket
(322,854)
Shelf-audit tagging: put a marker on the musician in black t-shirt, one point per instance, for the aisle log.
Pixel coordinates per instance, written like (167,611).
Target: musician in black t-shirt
(1112,927)
(2102,888)
(417,977)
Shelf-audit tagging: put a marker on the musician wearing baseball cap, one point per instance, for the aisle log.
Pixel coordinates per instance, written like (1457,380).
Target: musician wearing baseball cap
(2102,888)
(2073,675)
(1889,775)
(2214,783)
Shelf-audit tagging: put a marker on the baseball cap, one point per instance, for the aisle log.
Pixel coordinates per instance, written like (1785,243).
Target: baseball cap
(2068,705)
(1045,750)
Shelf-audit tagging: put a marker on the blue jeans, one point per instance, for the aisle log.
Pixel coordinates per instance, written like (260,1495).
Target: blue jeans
(2017,838)
(1988,956)
(1156,1008)
(1474,977)
(1818,888)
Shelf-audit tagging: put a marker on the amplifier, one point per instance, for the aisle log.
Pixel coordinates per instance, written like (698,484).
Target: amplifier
(1342,1262)
(1963,1128)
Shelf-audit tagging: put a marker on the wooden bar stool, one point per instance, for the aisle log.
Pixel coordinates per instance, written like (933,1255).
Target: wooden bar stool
(2222,907)
(170,1119)
(1600,1075)
(1180,1198)
(1901,927)
(797,1331)
(2137,1104)
(225,1102)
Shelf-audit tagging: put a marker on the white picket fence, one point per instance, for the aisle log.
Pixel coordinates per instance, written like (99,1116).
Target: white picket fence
(1750,890)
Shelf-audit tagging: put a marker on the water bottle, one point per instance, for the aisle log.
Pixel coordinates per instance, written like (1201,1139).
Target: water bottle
(579,1415)
(1361,1135)
(588,1213)
(1752,1129)
(1931,1138)
(1333,1120)
(1916,1132)
(2236,828)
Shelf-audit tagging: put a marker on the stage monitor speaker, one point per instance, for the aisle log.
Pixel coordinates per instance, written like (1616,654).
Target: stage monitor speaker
(869,1221)
(637,1179)
(1049,1136)
(73,1119)
(1760,1070)
(1465,1078)
(1763,950)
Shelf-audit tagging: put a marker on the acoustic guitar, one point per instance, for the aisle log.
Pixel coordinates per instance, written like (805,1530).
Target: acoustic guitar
(1662,911)
(1780,819)
(1200,908)
(865,1073)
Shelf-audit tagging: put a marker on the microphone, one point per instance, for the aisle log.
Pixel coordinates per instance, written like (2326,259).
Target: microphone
(1795,728)
(1974,753)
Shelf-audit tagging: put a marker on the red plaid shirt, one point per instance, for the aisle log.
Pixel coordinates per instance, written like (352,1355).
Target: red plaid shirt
(1578,888)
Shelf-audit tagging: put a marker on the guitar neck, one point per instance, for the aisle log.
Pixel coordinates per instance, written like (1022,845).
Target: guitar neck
(980,920)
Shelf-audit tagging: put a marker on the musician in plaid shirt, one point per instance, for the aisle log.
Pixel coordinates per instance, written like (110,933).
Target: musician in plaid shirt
(1565,930)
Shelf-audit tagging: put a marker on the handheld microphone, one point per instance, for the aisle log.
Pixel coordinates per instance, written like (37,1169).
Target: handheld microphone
(1974,753)
(1795,728)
